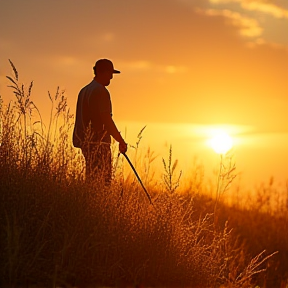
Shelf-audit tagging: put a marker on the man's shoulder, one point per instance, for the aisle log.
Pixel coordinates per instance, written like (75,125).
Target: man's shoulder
(97,87)
(94,88)
(94,92)
(93,85)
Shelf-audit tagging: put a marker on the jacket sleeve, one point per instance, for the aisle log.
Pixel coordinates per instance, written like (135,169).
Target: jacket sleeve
(110,127)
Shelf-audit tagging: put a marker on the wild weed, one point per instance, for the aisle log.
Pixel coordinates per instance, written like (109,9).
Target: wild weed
(226,175)
(170,183)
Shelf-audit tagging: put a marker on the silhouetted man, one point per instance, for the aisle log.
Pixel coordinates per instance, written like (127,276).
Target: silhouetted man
(94,125)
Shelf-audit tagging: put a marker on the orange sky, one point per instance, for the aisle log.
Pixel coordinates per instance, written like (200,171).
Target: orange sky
(191,62)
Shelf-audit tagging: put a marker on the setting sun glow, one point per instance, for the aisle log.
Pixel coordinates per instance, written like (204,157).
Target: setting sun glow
(221,142)
(171,80)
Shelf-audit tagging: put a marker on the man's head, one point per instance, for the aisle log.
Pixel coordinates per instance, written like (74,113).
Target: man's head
(104,71)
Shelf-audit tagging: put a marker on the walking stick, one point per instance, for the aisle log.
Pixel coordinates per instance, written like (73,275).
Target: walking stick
(135,172)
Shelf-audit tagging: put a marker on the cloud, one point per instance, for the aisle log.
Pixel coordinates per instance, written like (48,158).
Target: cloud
(171,69)
(140,65)
(261,21)
(247,26)
(223,1)
(257,5)
(268,8)
(143,66)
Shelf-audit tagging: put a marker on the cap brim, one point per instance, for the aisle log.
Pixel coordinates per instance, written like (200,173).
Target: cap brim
(116,71)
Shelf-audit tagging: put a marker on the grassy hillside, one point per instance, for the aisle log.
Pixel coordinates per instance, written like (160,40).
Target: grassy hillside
(58,229)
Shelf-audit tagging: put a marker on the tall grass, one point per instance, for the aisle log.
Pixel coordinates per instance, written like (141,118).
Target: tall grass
(58,229)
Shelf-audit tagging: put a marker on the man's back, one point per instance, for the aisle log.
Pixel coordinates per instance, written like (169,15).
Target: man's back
(93,100)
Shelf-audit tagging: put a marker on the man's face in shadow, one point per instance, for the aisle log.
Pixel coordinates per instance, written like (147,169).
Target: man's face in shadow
(105,76)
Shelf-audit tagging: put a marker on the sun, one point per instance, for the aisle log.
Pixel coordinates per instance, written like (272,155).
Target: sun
(221,142)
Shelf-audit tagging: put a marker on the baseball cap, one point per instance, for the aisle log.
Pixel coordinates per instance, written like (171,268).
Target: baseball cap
(104,65)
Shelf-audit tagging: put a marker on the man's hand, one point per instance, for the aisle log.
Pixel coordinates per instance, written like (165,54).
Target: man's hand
(122,147)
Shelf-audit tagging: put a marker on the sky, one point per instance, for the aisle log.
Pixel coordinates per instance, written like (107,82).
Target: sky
(188,67)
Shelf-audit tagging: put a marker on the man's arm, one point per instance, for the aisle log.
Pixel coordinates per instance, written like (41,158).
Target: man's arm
(113,131)
(100,100)
(111,127)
